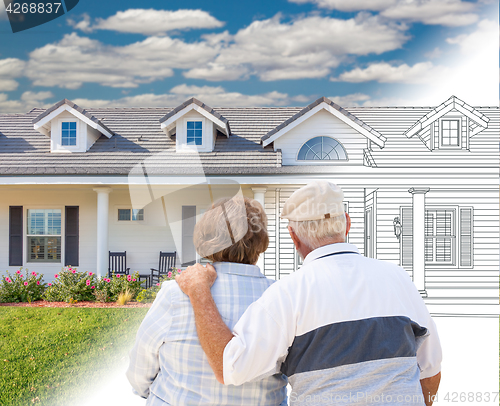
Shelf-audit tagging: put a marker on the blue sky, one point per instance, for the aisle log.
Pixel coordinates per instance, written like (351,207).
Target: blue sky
(259,53)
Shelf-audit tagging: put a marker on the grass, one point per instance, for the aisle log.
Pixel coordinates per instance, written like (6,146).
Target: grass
(51,356)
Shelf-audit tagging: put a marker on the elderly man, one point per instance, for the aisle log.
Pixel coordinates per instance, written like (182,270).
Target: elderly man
(345,328)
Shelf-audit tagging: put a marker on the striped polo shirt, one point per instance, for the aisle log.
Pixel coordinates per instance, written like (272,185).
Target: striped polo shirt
(345,329)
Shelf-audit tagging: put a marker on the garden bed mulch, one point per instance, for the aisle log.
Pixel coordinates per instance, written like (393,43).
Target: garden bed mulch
(43,303)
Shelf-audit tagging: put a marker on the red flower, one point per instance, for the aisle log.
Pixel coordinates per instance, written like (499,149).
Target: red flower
(38,282)
(56,275)
(25,283)
(50,284)
(117,276)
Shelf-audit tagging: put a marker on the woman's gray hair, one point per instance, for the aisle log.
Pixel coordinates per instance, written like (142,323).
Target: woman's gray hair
(314,233)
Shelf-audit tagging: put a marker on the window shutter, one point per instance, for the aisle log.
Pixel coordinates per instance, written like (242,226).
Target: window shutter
(466,230)
(16,236)
(188,223)
(407,238)
(71,249)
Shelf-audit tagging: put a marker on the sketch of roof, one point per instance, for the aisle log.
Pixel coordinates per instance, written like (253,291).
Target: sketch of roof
(453,103)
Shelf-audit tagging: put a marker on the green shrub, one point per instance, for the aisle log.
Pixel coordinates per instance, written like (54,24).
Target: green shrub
(70,285)
(108,289)
(21,288)
(149,295)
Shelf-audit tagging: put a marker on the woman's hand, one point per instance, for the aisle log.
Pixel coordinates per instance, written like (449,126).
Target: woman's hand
(196,279)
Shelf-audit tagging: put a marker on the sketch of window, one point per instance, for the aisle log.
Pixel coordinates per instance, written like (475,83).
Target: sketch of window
(450,133)
(440,236)
(323,149)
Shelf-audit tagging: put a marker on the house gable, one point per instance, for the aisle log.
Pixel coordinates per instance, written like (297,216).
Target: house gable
(340,113)
(195,126)
(340,143)
(449,126)
(70,128)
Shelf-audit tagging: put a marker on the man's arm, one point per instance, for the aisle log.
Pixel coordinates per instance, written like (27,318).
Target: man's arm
(430,388)
(213,333)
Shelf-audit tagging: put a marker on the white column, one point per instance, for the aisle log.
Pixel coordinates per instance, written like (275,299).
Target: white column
(419,238)
(258,194)
(102,229)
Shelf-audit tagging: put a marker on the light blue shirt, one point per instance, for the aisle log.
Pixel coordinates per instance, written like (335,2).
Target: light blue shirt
(167,363)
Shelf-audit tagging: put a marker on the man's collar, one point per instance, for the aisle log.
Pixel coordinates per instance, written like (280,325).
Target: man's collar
(330,249)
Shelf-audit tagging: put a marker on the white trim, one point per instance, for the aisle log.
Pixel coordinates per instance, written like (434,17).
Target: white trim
(470,177)
(336,113)
(76,113)
(25,235)
(168,124)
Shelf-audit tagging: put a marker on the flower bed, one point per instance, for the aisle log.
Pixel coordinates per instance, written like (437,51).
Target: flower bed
(73,287)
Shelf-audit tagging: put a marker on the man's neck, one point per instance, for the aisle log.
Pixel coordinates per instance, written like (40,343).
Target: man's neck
(305,251)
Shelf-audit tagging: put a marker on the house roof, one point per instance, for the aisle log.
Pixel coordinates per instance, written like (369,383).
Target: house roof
(453,103)
(39,120)
(173,115)
(312,108)
(139,138)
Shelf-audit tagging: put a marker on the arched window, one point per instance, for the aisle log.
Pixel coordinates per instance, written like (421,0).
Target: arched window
(322,149)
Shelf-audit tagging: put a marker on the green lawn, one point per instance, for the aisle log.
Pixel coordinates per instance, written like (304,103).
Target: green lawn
(50,356)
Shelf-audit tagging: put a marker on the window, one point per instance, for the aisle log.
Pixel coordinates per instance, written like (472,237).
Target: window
(440,237)
(194,133)
(130,214)
(44,235)
(68,133)
(450,133)
(322,148)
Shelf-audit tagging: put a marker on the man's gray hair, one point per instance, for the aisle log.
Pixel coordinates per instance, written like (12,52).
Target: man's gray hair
(314,233)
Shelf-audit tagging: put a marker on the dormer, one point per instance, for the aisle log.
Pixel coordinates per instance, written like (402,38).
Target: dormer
(449,126)
(70,128)
(195,126)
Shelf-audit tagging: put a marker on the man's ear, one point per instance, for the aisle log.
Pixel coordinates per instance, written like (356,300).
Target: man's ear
(347,223)
(295,239)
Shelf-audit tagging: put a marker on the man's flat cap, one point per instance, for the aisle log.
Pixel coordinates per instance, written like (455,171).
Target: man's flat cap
(317,200)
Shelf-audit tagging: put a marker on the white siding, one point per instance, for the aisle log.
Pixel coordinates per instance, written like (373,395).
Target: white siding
(326,124)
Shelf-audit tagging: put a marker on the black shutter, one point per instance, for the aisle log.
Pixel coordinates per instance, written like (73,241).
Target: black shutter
(407,238)
(71,236)
(466,237)
(16,236)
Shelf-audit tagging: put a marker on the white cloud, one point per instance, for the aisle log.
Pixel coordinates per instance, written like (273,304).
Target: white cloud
(434,12)
(431,12)
(305,48)
(76,60)
(28,101)
(10,68)
(355,99)
(435,53)
(383,72)
(351,5)
(150,21)
(214,96)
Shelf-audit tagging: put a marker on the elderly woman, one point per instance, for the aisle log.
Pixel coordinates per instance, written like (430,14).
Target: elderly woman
(167,363)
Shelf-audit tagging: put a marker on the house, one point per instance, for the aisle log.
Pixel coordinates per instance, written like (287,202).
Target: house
(420,184)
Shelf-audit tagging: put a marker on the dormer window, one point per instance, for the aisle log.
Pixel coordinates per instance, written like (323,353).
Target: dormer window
(194,135)
(68,133)
(450,133)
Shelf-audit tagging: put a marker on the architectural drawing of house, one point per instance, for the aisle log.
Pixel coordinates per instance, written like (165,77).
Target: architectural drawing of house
(420,184)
